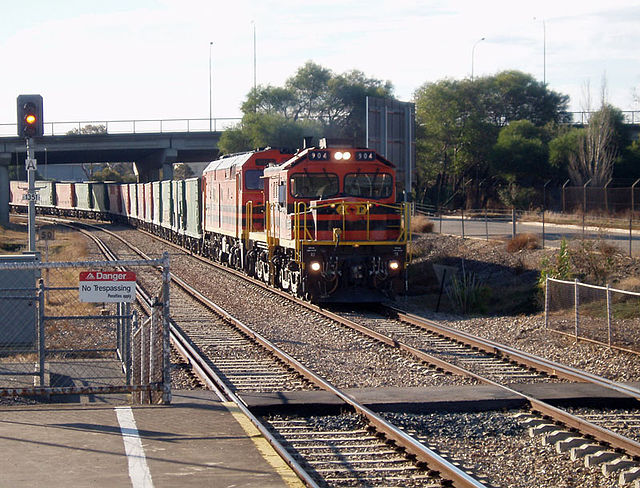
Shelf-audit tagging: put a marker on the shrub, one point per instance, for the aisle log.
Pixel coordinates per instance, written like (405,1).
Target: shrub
(523,241)
(560,270)
(421,224)
(468,293)
(593,260)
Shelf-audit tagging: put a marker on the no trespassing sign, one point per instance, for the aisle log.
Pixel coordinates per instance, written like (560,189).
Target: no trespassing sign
(107,286)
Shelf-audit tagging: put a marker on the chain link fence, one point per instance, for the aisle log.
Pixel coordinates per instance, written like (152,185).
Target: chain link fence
(55,339)
(596,313)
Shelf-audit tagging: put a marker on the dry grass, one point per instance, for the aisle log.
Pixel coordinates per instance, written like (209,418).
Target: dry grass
(420,224)
(632,283)
(523,241)
(13,238)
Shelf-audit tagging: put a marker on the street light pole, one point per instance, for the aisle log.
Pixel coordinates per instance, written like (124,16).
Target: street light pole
(210,92)
(473,50)
(544,51)
(254,55)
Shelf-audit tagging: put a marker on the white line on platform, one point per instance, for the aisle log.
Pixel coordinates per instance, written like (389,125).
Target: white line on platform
(138,469)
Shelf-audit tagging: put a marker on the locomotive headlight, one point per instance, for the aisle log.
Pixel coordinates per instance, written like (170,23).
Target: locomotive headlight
(394,265)
(339,155)
(315,266)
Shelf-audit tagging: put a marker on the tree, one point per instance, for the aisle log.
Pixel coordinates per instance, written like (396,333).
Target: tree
(597,149)
(520,154)
(514,95)
(182,171)
(459,122)
(312,102)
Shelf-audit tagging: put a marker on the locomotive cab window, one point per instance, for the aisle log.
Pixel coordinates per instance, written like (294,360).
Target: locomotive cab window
(368,185)
(252,179)
(314,185)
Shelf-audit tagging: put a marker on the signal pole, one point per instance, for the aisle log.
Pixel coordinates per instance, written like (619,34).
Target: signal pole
(30,165)
(30,125)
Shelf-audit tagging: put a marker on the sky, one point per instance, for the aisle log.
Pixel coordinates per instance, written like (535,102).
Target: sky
(149,59)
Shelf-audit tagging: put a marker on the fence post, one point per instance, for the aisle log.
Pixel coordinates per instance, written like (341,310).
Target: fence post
(41,337)
(462,220)
(135,372)
(486,223)
(609,314)
(143,360)
(166,340)
(513,220)
(126,340)
(152,343)
(546,302)
(576,298)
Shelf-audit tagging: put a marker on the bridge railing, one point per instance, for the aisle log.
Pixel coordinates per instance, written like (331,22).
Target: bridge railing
(631,117)
(143,126)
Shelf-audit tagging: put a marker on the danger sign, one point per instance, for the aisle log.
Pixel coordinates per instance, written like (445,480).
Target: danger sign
(107,286)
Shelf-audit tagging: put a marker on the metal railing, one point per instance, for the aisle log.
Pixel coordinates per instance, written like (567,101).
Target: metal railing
(53,342)
(137,126)
(594,313)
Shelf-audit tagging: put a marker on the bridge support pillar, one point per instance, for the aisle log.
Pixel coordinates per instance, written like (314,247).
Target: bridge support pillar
(5,160)
(148,168)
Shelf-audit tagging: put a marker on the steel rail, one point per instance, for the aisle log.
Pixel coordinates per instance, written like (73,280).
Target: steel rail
(538,362)
(572,421)
(550,367)
(202,369)
(412,446)
(434,461)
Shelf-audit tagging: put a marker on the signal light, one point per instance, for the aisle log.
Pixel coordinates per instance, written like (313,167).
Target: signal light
(30,123)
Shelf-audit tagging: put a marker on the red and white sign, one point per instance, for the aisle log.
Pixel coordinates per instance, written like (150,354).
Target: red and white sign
(107,286)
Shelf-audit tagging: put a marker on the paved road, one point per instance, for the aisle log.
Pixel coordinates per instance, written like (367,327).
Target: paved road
(553,233)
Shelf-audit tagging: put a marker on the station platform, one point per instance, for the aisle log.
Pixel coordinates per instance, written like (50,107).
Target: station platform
(196,441)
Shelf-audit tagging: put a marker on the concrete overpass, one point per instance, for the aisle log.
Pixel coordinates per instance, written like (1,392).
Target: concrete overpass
(153,153)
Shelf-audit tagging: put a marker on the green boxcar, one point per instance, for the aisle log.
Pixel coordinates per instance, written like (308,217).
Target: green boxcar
(193,198)
(46,193)
(99,196)
(156,208)
(133,200)
(92,196)
(166,217)
(178,221)
(84,201)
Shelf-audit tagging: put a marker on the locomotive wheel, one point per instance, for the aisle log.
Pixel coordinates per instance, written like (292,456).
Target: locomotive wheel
(295,281)
(285,279)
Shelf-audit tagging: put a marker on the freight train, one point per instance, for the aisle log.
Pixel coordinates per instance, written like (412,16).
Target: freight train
(322,223)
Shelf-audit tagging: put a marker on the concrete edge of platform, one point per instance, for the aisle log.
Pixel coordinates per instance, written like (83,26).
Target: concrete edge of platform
(426,400)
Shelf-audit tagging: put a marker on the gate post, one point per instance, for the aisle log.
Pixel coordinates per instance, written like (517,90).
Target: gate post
(41,341)
(166,343)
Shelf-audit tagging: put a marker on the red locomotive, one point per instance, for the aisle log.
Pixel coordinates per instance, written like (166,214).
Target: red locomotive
(323,223)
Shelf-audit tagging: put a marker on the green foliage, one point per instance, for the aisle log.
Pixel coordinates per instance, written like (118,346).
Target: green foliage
(515,196)
(182,171)
(468,294)
(519,148)
(562,148)
(313,102)
(119,172)
(89,129)
(592,260)
(459,122)
(560,269)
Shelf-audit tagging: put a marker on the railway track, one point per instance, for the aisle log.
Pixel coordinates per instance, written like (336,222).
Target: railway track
(506,368)
(371,453)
